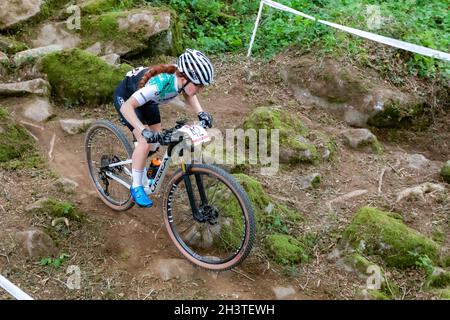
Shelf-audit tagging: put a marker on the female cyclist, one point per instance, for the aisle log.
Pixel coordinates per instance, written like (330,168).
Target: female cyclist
(137,99)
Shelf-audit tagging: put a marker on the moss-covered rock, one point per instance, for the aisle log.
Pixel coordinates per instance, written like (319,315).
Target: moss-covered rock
(77,76)
(54,208)
(11,46)
(350,94)
(153,30)
(445,172)
(440,280)
(375,232)
(395,115)
(17,147)
(100,6)
(294,146)
(285,249)
(358,262)
(362,139)
(270,214)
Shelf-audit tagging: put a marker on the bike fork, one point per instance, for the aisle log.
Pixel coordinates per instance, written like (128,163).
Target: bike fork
(190,191)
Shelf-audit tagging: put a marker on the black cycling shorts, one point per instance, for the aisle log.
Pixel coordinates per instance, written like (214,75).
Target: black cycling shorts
(148,113)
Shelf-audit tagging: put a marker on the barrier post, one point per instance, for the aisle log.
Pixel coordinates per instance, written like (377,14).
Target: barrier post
(261,4)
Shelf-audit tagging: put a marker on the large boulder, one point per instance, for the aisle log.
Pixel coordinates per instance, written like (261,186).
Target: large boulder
(267,210)
(16,11)
(77,76)
(294,145)
(32,55)
(374,232)
(55,33)
(356,97)
(35,86)
(152,30)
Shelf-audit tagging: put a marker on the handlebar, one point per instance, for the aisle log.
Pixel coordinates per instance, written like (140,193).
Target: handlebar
(165,137)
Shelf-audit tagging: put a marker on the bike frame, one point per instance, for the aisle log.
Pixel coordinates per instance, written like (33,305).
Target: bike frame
(162,170)
(160,175)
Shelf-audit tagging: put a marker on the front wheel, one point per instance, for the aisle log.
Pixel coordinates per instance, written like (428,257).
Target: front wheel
(209,217)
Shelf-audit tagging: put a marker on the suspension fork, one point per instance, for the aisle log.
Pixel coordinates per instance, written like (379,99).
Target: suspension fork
(187,181)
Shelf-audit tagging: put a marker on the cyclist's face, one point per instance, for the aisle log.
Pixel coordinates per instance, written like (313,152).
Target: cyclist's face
(192,89)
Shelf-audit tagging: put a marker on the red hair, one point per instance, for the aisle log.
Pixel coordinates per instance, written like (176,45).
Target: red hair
(157,69)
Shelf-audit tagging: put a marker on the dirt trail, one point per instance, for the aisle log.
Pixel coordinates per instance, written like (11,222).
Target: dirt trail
(139,234)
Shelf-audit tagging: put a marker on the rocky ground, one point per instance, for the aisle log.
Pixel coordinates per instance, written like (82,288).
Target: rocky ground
(359,208)
(129,255)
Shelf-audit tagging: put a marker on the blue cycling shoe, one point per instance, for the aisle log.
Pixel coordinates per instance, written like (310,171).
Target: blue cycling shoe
(140,197)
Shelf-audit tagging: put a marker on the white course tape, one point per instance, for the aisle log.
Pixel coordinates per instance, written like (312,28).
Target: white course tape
(364,34)
(13,290)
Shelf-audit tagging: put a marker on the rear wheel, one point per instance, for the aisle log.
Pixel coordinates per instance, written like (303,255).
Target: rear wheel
(106,144)
(220,234)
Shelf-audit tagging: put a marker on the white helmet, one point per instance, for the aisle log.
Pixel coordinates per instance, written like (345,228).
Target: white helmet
(196,66)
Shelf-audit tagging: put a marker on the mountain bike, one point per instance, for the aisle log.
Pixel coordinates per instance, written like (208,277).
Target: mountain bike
(207,213)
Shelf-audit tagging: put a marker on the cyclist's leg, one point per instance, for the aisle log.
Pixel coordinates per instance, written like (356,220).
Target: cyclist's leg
(149,115)
(140,151)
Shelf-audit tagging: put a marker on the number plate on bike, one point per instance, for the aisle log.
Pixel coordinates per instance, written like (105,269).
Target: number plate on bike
(196,133)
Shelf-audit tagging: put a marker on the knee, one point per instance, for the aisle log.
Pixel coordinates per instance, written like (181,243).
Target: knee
(143,146)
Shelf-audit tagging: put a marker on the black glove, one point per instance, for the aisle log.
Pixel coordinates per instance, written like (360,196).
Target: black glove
(153,137)
(164,138)
(206,118)
(150,136)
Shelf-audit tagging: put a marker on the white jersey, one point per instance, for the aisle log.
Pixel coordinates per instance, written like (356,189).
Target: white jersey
(158,89)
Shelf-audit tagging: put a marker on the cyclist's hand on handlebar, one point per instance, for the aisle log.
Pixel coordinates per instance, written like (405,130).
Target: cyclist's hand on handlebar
(150,136)
(205,118)
(153,137)
(165,138)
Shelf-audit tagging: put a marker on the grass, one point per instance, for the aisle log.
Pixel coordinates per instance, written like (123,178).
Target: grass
(221,26)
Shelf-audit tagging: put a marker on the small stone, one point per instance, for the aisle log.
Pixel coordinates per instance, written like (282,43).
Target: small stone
(310,181)
(174,269)
(281,293)
(37,205)
(417,161)
(66,185)
(74,126)
(38,109)
(36,244)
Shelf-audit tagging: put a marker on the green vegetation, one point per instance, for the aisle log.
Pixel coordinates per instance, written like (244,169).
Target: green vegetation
(11,46)
(220,26)
(100,6)
(375,232)
(54,262)
(285,249)
(17,147)
(54,208)
(77,76)
(441,280)
(294,147)
(445,172)
(270,215)
(105,27)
